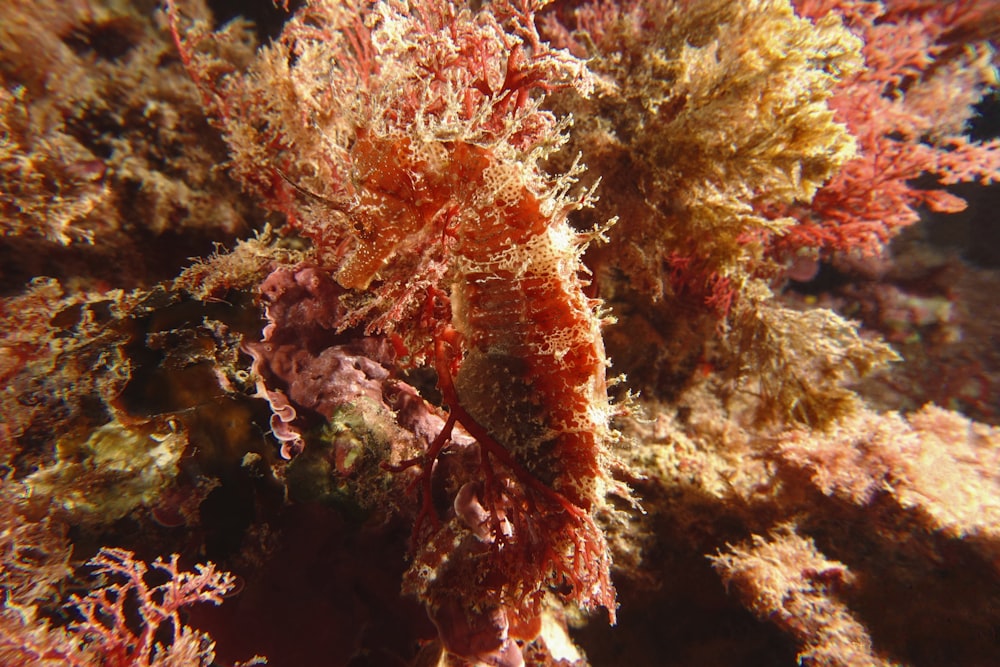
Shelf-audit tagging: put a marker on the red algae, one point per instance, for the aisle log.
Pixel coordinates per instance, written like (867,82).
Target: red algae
(387,409)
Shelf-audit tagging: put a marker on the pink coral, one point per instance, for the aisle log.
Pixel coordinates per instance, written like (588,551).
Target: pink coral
(126,620)
(161,638)
(304,314)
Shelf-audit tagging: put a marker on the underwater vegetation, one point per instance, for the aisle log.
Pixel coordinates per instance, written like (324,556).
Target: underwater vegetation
(501,333)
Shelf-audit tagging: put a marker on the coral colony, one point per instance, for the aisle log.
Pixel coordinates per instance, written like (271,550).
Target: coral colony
(515,332)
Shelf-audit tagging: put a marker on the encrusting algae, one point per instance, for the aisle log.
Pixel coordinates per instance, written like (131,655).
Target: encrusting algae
(457,331)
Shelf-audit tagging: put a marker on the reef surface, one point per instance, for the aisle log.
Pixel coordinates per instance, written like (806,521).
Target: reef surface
(413,332)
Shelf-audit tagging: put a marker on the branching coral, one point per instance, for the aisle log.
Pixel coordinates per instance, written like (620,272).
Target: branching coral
(103,626)
(908,108)
(105,632)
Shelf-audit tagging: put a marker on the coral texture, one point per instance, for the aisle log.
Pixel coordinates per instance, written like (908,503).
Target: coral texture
(787,579)
(711,114)
(456,330)
(104,633)
(908,108)
(429,186)
(103,138)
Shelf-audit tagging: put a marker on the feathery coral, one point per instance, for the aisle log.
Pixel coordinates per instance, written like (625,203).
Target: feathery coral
(787,579)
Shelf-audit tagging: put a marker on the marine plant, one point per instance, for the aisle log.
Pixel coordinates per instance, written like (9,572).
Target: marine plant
(425,200)
(389,409)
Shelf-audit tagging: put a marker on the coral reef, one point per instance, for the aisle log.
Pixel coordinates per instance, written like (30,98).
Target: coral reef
(497,333)
(105,148)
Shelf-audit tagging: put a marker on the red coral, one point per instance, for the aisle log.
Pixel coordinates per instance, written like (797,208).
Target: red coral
(105,625)
(907,110)
(126,620)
